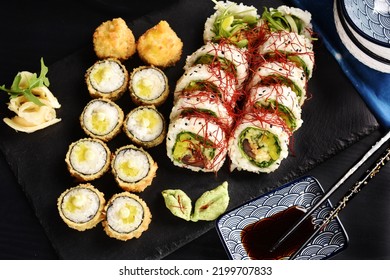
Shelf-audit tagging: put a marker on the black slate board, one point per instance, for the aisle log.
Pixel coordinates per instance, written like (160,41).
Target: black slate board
(334,117)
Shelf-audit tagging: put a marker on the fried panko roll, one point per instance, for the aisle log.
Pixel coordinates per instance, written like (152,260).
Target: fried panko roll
(81,207)
(160,46)
(127,216)
(113,38)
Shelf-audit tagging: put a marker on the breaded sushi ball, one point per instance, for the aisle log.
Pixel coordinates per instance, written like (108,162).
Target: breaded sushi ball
(127,216)
(160,46)
(113,38)
(145,126)
(88,159)
(107,78)
(133,168)
(81,207)
(102,119)
(148,85)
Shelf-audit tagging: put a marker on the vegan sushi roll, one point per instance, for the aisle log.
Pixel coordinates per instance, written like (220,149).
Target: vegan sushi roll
(196,143)
(88,159)
(232,22)
(224,56)
(279,100)
(259,143)
(203,104)
(107,78)
(283,73)
(102,119)
(148,86)
(133,168)
(206,78)
(145,126)
(81,207)
(127,216)
(289,46)
(289,37)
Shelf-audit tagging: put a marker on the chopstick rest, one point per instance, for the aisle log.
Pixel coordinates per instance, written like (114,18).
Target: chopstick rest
(366,156)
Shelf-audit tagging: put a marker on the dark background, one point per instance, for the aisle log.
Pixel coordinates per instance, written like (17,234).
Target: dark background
(56,29)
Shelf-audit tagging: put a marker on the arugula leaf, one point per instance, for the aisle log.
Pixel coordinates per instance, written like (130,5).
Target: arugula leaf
(25,86)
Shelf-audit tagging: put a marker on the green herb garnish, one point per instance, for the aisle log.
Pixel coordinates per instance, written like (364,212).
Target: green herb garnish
(24,84)
(278,21)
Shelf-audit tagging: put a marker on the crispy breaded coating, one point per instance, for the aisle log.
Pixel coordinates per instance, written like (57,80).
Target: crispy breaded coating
(160,46)
(113,38)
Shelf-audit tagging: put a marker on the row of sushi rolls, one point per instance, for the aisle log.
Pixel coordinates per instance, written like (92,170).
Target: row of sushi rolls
(240,98)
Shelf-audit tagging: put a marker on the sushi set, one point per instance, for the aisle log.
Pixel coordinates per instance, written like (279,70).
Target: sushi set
(228,104)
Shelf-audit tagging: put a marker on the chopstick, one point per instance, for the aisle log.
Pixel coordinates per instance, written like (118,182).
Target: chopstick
(351,193)
(335,187)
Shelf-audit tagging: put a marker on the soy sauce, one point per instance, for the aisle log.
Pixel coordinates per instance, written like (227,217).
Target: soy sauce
(259,237)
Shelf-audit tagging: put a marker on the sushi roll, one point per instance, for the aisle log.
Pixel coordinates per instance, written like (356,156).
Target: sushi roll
(127,216)
(88,159)
(203,103)
(145,126)
(207,78)
(196,143)
(102,119)
(225,56)
(81,207)
(133,168)
(258,143)
(289,46)
(285,73)
(107,78)
(160,46)
(148,86)
(231,22)
(113,38)
(289,36)
(279,100)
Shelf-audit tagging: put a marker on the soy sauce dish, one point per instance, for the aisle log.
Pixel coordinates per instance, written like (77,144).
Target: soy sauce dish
(250,230)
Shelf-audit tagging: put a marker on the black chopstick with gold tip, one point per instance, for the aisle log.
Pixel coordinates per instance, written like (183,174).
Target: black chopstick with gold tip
(352,170)
(370,173)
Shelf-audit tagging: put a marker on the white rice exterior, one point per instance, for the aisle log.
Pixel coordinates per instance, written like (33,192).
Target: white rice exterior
(204,128)
(228,51)
(281,94)
(103,110)
(202,72)
(292,43)
(86,201)
(204,101)
(240,162)
(112,76)
(118,208)
(95,156)
(133,159)
(287,70)
(244,10)
(141,127)
(151,78)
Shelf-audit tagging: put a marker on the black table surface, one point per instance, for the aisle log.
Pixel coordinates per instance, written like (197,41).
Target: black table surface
(56,29)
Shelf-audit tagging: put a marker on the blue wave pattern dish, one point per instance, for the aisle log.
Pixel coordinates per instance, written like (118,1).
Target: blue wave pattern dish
(304,192)
(371,17)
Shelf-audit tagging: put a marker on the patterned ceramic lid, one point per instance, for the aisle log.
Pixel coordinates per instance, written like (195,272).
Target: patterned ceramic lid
(370,18)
